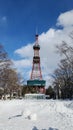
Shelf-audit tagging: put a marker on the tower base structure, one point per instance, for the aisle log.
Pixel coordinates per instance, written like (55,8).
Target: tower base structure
(38,86)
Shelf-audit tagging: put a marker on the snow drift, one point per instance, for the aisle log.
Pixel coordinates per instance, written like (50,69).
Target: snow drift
(36,115)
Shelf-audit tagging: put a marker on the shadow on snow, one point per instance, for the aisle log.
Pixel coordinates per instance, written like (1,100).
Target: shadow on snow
(15,116)
(50,128)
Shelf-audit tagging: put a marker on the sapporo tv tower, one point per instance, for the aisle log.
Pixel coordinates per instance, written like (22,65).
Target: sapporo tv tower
(36,80)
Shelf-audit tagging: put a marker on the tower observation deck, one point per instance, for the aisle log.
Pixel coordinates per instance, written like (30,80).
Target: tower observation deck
(36,75)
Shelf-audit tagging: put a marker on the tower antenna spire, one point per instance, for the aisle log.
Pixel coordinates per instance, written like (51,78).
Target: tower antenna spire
(36,30)
(36,36)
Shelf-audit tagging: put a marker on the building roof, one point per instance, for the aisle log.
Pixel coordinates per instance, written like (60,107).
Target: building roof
(36,82)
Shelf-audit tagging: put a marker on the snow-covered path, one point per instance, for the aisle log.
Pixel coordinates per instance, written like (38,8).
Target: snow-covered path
(36,115)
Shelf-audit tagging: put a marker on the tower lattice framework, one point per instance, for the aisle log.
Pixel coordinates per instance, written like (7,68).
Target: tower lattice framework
(36,68)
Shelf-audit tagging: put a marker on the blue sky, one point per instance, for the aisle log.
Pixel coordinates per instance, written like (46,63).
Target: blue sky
(19,20)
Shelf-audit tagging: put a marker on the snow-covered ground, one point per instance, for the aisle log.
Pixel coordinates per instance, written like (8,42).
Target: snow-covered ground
(36,115)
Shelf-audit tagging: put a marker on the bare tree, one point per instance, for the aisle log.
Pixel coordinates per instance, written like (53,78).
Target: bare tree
(5,63)
(12,82)
(63,75)
(9,79)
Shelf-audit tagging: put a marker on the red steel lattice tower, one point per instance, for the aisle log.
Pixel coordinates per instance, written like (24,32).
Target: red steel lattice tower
(36,68)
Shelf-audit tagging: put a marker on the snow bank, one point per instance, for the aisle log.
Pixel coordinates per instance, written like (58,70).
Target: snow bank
(70,105)
(36,115)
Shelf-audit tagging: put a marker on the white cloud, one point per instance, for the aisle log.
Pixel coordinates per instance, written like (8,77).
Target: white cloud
(22,63)
(47,40)
(23,66)
(65,19)
(3,20)
(25,51)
